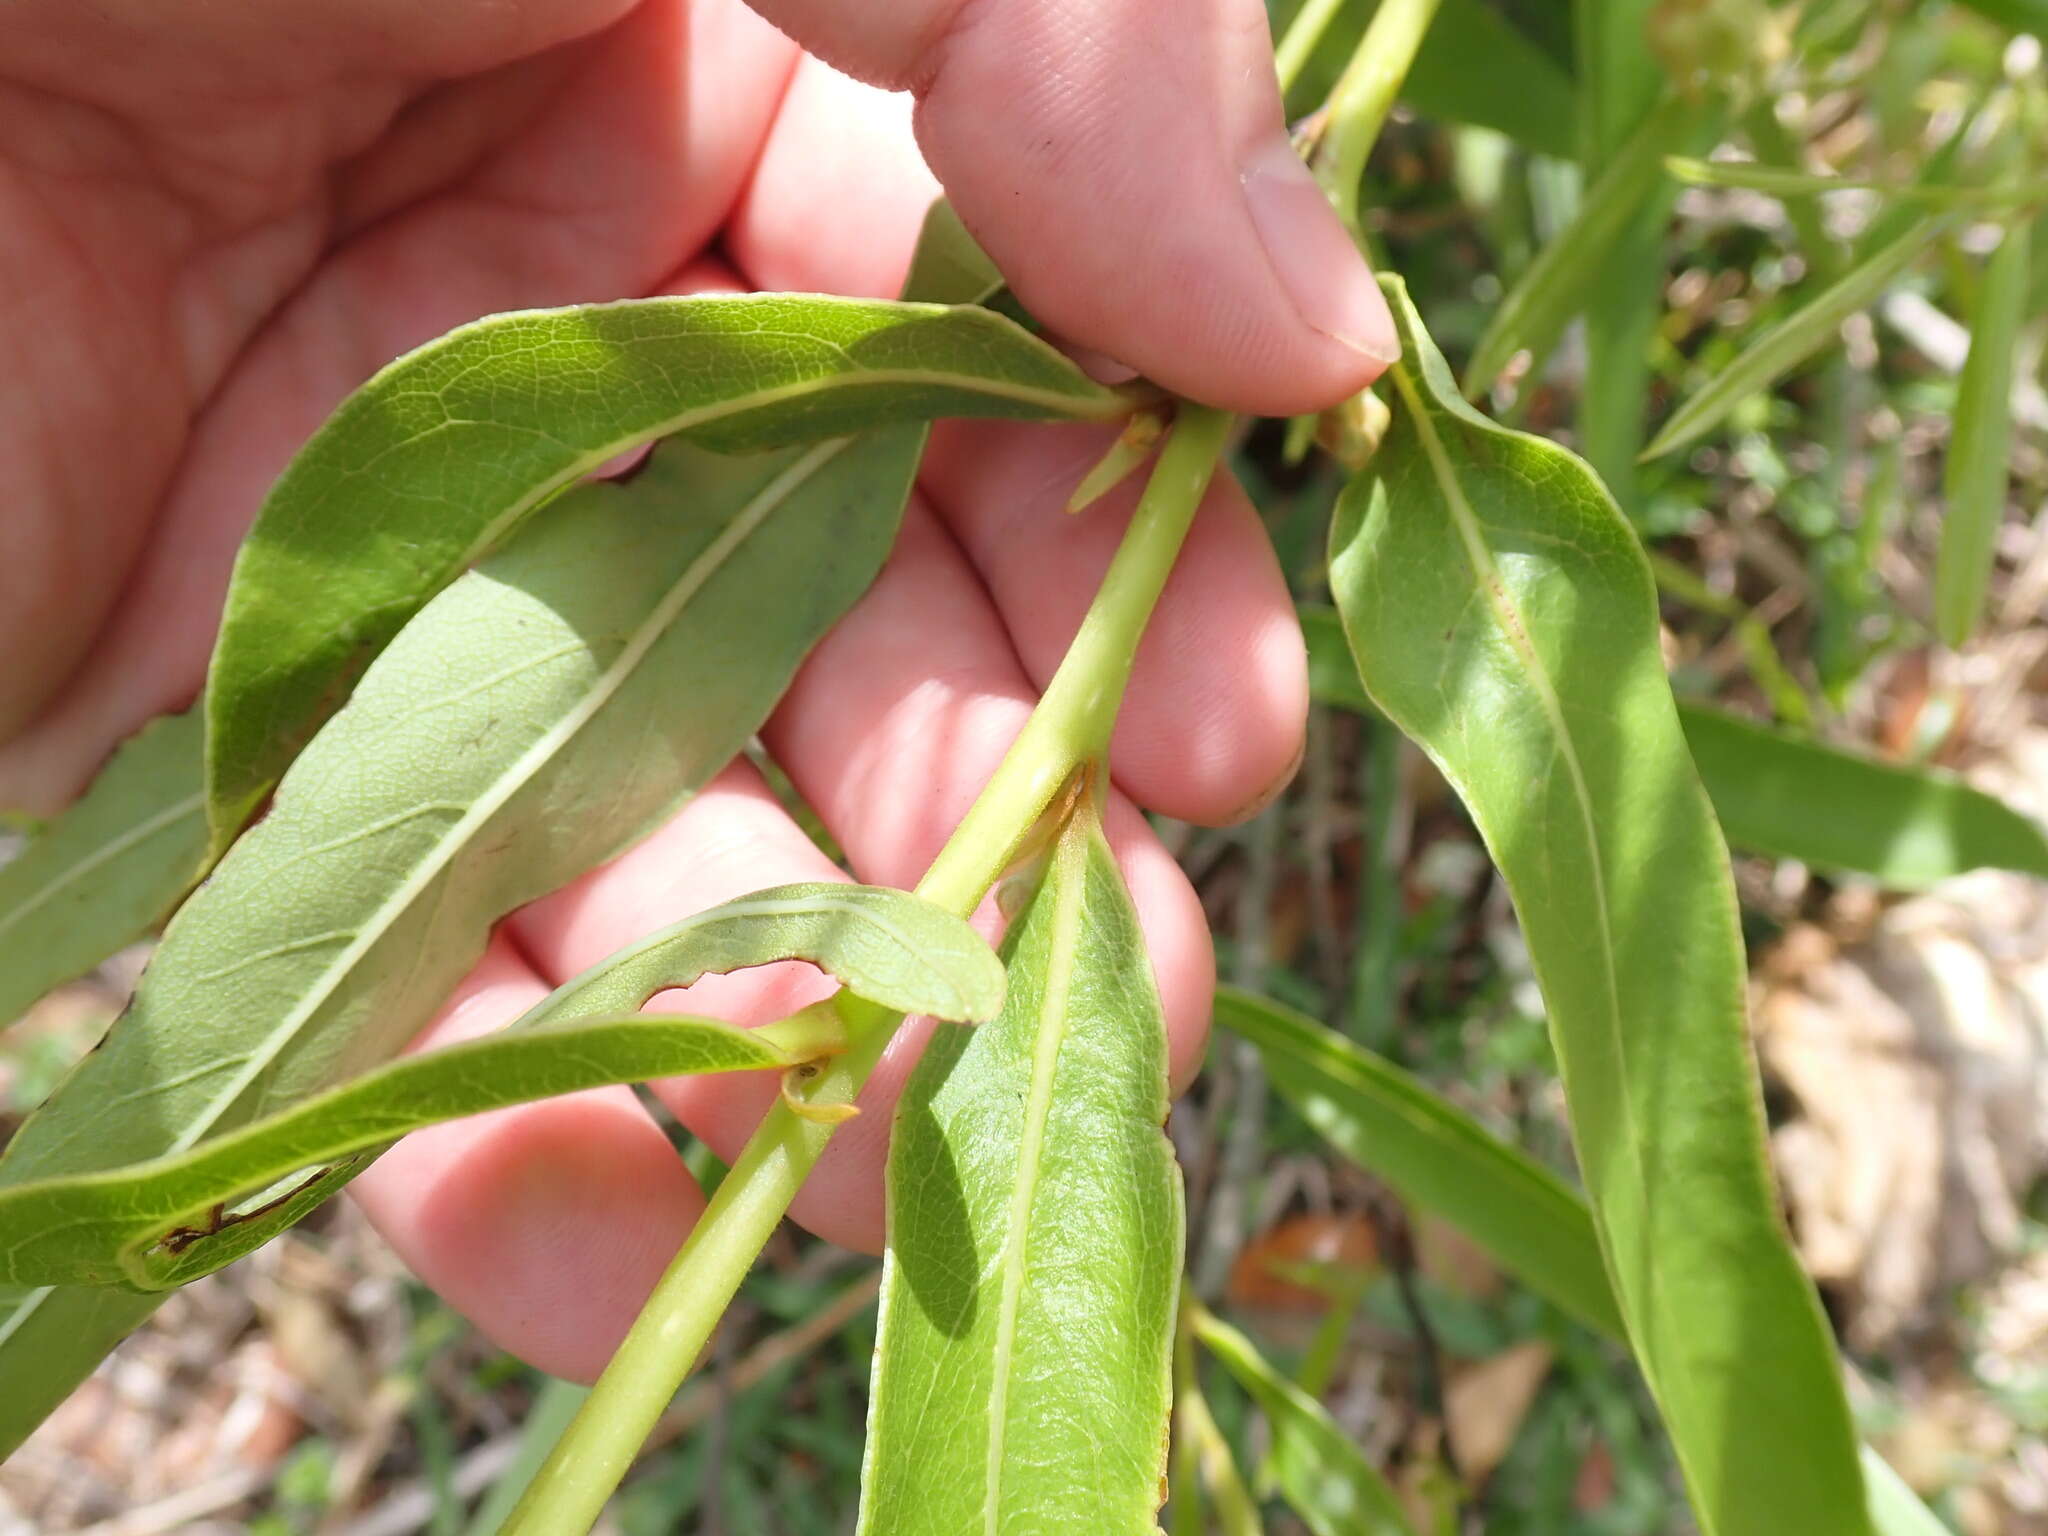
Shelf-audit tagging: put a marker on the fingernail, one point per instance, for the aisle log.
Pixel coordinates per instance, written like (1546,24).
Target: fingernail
(1329,283)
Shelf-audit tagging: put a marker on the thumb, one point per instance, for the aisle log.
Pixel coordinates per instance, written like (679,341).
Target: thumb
(1126,164)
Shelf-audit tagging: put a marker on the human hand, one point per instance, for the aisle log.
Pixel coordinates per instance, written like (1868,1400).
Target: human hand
(221,223)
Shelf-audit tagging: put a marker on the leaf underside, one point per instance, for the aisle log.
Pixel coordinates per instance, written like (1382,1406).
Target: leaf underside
(1789,796)
(433,463)
(534,720)
(105,872)
(1503,616)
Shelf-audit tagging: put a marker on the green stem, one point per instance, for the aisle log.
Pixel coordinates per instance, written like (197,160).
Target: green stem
(1298,44)
(1072,723)
(1364,95)
(1071,726)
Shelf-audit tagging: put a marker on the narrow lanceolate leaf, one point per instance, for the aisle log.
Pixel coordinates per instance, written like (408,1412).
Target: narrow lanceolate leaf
(159,1224)
(1788,796)
(1973,481)
(1022,1371)
(1322,1475)
(1793,340)
(1503,616)
(109,869)
(1386,1121)
(887,946)
(1791,797)
(1565,275)
(164,1222)
(1323,1077)
(537,717)
(432,463)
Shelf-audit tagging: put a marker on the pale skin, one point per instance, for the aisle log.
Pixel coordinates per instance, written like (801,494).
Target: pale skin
(221,219)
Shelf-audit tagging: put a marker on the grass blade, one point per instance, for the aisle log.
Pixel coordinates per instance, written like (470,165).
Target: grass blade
(1322,1475)
(1973,480)
(1321,1065)
(1792,340)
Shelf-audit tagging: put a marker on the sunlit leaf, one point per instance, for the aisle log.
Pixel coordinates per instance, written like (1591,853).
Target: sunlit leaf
(1791,797)
(1323,1476)
(535,719)
(1792,340)
(433,463)
(107,871)
(1973,481)
(1321,1073)
(1023,1365)
(1503,616)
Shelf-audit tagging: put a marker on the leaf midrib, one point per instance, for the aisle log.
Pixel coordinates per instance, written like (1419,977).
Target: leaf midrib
(516,776)
(1509,620)
(1067,888)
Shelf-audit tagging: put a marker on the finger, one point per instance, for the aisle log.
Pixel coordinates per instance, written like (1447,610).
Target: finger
(1127,165)
(545,1224)
(630,168)
(1217,708)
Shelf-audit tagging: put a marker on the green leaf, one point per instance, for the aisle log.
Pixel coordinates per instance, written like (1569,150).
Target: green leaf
(1326,1478)
(431,465)
(147,1226)
(1503,616)
(1788,796)
(1792,340)
(1476,66)
(887,946)
(1035,1231)
(1565,276)
(2018,15)
(948,267)
(1973,480)
(1323,1070)
(1386,1121)
(536,718)
(151,1225)
(105,872)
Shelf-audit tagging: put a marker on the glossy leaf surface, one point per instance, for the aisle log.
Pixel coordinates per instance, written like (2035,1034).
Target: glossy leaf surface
(107,871)
(1386,1121)
(1792,340)
(1973,480)
(535,719)
(1322,1475)
(1503,616)
(1022,1370)
(1788,796)
(1321,1070)
(431,465)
